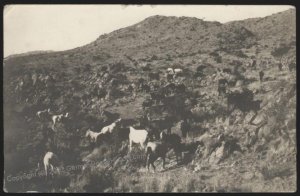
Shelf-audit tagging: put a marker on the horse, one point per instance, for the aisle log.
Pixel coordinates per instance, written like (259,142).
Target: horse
(139,136)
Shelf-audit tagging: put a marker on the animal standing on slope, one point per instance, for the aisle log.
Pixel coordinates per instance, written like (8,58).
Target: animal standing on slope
(173,141)
(139,136)
(93,135)
(57,118)
(154,150)
(261,75)
(170,70)
(177,71)
(49,159)
(110,128)
(43,112)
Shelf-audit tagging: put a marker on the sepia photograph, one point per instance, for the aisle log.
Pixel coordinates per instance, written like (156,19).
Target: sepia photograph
(126,98)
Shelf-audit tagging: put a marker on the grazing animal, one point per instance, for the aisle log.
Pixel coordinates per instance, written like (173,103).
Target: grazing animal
(157,96)
(110,128)
(170,70)
(147,103)
(49,159)
(92,135)
(43,112)
(154,150)
(176,71)
(222,86)
(153,76)
(161,124)
(253,64)
(242,100)
(261,75)
(170,77)
(185,128)
(180,88)
(145,88)
(139,136)
(109,115)
(57,118)
(173,141)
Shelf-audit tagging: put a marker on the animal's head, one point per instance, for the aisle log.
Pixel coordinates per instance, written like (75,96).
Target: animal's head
(67,114)
(87,133)
(118,120)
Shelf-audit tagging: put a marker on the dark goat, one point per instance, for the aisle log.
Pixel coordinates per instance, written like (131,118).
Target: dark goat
(261,75)
(147,103)
(243,101)
(157,96)
(174,142)
(222,86)
(154,150)
(153,76)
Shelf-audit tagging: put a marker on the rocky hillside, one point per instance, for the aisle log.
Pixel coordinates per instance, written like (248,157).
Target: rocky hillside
(124,73)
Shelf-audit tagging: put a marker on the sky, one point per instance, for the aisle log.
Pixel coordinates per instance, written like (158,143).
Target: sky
(62,27)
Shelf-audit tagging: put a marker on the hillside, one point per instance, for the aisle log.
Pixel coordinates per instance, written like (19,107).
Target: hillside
(124,74)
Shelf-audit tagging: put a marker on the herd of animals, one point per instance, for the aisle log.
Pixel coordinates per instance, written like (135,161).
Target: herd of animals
(159,147)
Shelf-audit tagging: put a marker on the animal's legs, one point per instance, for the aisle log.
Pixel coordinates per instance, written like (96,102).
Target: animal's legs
(130,145)
(148,163)
(52,168)
(153,165)
(45,169)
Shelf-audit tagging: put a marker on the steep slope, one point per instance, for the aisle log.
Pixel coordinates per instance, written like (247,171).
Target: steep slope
(102,80)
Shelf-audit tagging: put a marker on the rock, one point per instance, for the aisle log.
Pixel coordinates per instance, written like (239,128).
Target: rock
(248,175)
(197,168)
(259,175)
(212,157)
(108,190)
(259,118)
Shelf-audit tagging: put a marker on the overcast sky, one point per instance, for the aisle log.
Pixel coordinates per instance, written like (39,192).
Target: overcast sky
(62,27)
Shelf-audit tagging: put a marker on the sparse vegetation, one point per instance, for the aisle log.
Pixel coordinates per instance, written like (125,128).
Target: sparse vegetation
(98,83)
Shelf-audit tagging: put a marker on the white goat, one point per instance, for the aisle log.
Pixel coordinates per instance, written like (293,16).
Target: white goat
(93,135)
(39,113)
(110,127)
(48,158)
(57,118)
(139,136)
(176,71)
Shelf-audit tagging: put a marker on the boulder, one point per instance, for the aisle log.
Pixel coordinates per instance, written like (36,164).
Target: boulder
(248,175)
